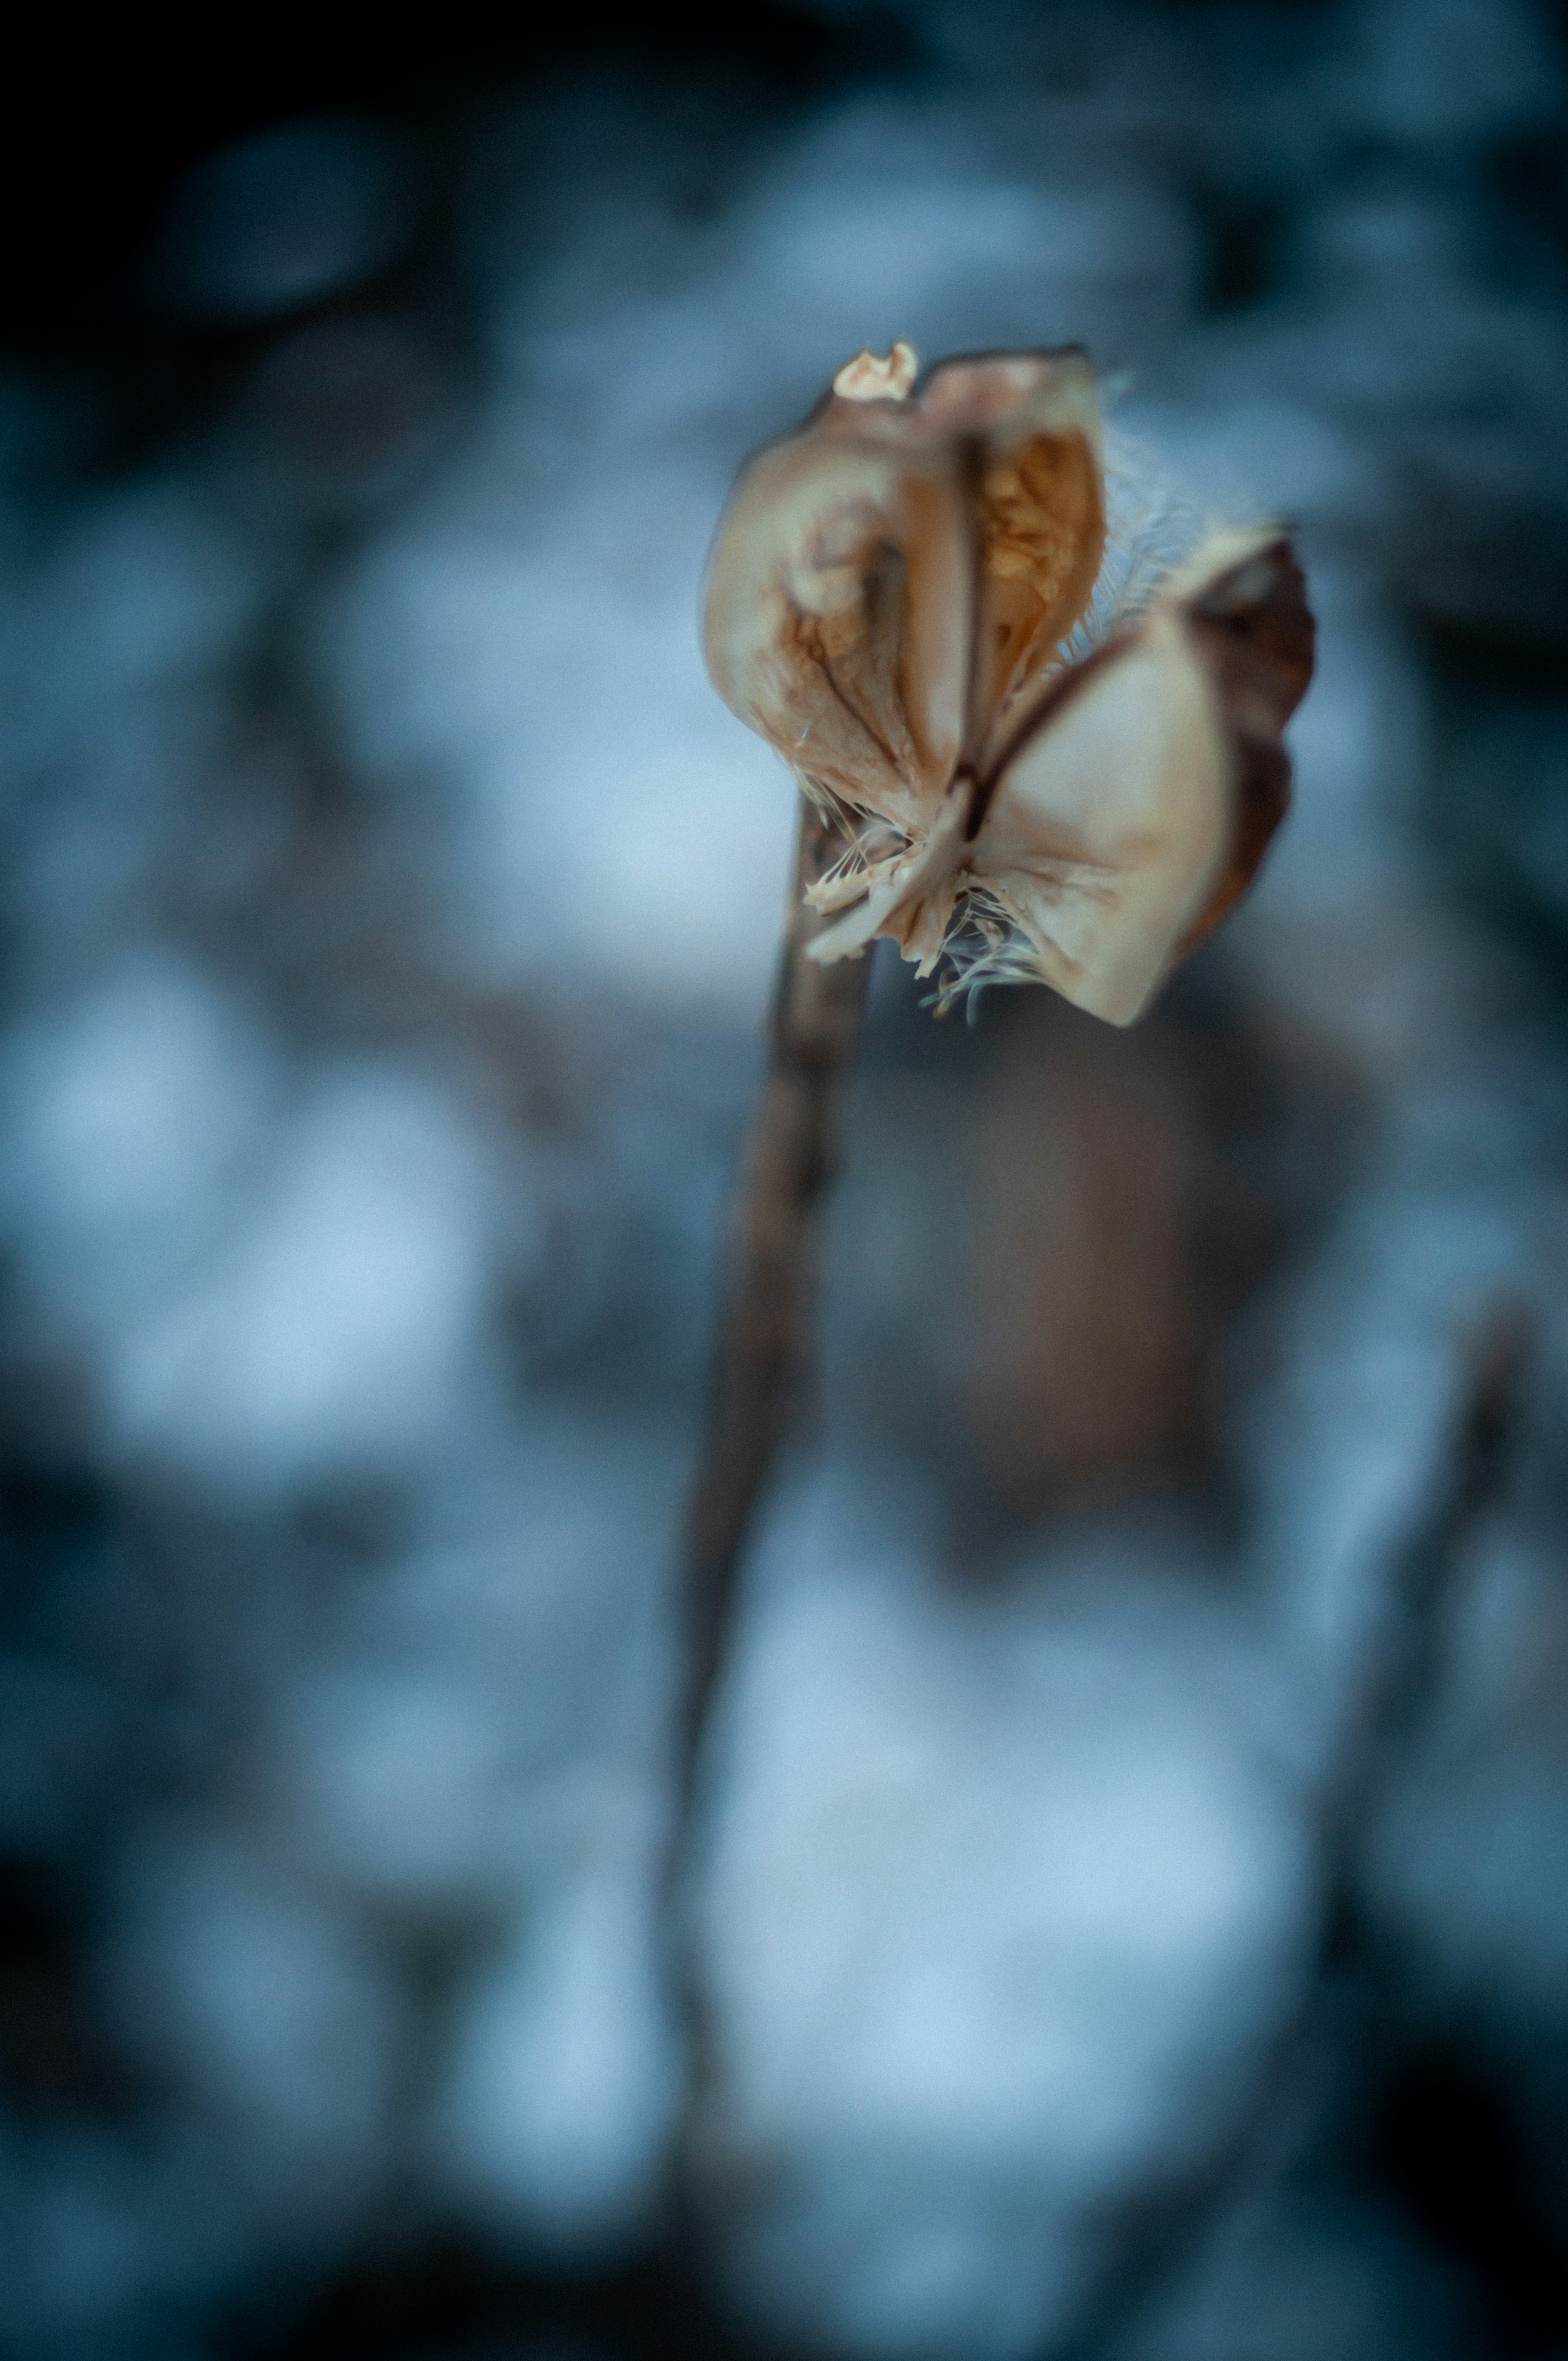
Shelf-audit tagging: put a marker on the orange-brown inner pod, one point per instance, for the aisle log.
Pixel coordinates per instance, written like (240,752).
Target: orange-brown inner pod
(1042,538)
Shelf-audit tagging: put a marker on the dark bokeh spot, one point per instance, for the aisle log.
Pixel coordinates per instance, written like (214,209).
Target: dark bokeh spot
(1445,2142)
(444,2296)
(52,1522)
(1496,792)
(50,2058)
(115,103)
(1244,244)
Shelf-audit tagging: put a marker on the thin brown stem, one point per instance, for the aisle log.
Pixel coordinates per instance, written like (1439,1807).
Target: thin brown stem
(765,1324)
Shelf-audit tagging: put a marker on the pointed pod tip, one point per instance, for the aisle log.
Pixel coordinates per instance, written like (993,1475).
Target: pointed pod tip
(867,379)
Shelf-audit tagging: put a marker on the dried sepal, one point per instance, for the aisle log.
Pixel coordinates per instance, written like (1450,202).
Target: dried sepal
(1252,626)
(903,600)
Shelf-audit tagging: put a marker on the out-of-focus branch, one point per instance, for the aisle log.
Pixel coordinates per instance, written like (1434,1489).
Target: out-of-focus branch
(765,1334)
(1398,1686)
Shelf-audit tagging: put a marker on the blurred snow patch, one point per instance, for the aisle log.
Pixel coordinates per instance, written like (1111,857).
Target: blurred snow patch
(563,2086)
(264,2012)
(879,224)
(127,1115)
(339,1327)
(606,818)
(883,217)
(140,585)
(399,1771)
(1004,1907)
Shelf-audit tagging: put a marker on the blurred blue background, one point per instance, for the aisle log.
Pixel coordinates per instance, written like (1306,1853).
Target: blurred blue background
(1130,1901)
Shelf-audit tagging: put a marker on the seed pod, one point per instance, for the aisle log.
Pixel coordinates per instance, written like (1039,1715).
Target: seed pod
(907,599)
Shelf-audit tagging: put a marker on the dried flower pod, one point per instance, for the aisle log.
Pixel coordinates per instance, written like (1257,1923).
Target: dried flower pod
(1041,776)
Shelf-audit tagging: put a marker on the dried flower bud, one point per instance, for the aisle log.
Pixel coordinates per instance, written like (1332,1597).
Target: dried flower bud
(1050,765)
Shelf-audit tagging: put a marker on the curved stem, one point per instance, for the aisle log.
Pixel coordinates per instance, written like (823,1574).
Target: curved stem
(765,1324)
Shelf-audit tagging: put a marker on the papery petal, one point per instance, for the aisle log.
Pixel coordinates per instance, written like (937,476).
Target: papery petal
(1142,794)
(1108,830)
(1246,613)
(838,622)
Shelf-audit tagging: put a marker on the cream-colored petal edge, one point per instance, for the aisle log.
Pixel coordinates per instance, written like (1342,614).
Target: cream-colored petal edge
(790,548)
(1108,829)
